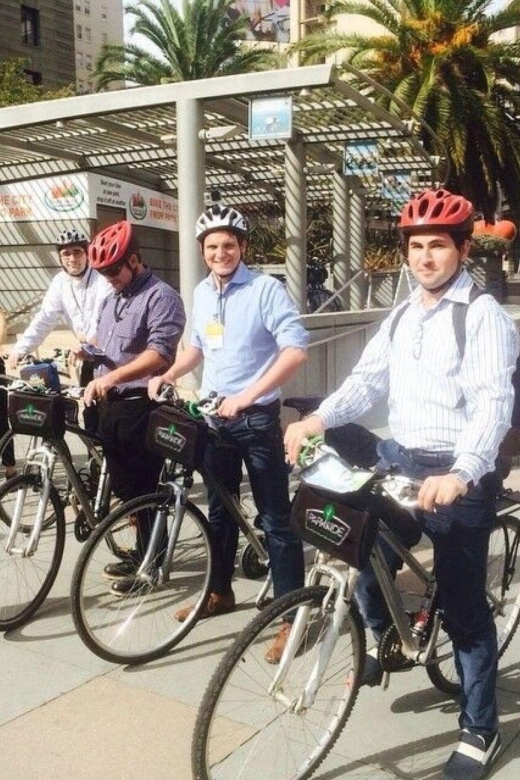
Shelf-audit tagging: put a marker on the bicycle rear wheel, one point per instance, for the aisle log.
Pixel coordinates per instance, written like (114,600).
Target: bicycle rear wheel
(25,580)
(503,579)
(136,628)
(243,731)
(503,588)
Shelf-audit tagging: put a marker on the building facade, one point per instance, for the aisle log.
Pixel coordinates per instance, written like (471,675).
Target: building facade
(42,32)
(96,22)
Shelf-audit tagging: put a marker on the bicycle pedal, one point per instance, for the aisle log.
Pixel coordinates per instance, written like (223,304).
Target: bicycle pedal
(82,528)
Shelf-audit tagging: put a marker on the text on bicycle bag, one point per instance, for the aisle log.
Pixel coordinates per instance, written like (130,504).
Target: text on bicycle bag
(37,414)
(323,519)
(173,434)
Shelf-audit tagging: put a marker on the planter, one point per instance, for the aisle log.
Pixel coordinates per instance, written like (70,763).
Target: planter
(487,271)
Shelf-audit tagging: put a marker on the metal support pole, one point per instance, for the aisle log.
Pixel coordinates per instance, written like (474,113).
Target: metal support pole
(296,222)
(340,235)
(356,227)
(191,182)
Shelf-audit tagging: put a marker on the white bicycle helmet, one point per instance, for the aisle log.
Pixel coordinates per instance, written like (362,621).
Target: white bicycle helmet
(71,237)
(219,217)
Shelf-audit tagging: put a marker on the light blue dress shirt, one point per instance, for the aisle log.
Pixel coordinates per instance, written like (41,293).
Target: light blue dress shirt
(258,320)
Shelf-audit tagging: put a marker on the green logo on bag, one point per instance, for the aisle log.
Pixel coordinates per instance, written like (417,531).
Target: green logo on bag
(30,415)
(169,437)
(329,512)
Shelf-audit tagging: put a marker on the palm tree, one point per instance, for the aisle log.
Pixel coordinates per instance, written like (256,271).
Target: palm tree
(203,39)
(439,57)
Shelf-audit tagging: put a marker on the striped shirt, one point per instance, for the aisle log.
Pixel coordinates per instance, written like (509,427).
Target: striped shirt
(438,399)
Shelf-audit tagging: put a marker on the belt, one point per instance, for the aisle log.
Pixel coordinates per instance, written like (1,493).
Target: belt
(128,394)
(274,406)
(428,457)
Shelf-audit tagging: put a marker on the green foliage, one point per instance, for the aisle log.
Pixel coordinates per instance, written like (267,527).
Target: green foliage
(15,89)
(200,40)
(443,60)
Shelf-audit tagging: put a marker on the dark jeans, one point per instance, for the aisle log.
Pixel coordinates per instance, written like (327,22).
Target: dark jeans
(259,444)
(134,470)
(460,536)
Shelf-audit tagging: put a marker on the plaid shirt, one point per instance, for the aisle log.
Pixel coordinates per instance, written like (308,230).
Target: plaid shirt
(148,314)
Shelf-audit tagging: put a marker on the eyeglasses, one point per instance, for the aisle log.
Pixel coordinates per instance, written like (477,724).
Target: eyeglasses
(72,254)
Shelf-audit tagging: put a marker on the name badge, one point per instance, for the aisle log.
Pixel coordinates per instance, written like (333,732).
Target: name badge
(215,335)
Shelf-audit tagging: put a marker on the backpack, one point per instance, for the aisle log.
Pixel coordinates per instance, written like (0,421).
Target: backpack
(460,312)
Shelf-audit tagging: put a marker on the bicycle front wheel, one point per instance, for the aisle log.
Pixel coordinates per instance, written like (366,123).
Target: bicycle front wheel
(26,577)
(248,729)
(140,626)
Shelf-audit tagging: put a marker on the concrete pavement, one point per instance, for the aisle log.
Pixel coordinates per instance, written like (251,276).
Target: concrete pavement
(67,715)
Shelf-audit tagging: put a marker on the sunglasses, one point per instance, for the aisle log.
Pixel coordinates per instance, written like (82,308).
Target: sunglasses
(114,270)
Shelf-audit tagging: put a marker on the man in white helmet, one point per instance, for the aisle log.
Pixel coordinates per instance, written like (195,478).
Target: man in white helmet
(74,297)
(248,334)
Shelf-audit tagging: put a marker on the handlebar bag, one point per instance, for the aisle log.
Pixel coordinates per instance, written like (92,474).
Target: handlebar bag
(41,375)
(37,414)
(324,519)
(174,434)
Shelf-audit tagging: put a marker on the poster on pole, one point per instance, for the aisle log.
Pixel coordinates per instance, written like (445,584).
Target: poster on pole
(361,158)
(266,20)
(270,117)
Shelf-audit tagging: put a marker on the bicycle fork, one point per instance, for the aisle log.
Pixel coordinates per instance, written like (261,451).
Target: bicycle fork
(25,551)
(343,587)
(148,569)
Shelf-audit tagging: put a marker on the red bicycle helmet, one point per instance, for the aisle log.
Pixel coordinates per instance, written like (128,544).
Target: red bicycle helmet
(437,209)
(110,246)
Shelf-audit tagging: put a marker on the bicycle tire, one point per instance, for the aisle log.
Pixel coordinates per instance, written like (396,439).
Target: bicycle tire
(25,581)
(503,585)
(134,629)
(242,732)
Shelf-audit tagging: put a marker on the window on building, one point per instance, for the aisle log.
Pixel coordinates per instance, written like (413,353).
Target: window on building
(30,25)
(88,35)
(33,76)
(104,37)
(88,61)
(103,12)
(77,7)
(79,32)
(87,7)
(79,59)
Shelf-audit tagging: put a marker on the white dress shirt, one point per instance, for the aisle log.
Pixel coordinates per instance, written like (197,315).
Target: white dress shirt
(438,400)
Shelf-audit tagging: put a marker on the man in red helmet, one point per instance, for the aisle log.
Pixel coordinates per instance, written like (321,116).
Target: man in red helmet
(449,409)
(139,328)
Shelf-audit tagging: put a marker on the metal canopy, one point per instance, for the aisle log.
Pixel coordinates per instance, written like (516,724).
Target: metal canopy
(132,134)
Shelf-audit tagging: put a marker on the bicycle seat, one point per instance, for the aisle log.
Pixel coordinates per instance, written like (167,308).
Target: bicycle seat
(303,404)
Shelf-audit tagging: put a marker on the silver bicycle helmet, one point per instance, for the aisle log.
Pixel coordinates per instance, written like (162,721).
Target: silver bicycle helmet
(71,237)
(219,217)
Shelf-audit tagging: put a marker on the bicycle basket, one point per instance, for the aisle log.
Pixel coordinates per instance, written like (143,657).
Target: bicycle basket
(36,414)
(323,519)
(173,434)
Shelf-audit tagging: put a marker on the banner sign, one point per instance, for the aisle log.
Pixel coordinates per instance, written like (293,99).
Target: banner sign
(77,196)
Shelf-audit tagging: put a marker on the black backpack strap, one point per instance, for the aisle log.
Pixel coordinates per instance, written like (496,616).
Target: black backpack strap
(460,312)
(396,320)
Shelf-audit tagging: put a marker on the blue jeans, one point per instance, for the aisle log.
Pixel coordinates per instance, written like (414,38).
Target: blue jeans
(257,437)
(460,536)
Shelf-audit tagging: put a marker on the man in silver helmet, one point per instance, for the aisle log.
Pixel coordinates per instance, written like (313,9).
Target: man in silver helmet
(74,297)
(247,333)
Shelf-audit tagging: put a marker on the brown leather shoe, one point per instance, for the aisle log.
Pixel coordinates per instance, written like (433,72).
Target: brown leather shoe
(275,652)
(215,605)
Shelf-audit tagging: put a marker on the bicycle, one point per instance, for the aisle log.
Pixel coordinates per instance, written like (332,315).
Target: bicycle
(32,516)
(141,625)
(258,720)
